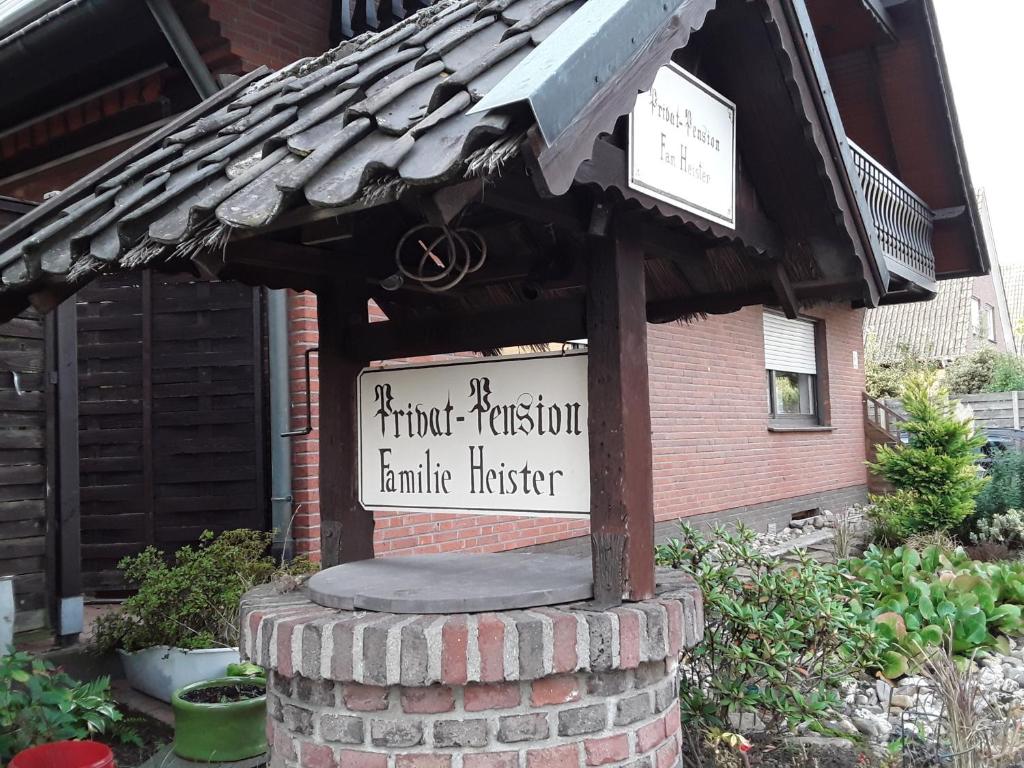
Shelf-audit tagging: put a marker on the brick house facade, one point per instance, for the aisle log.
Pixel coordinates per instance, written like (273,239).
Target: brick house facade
(715,456)
(715,459)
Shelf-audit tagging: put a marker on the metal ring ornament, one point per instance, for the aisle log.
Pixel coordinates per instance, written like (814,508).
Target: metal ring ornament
(457,257)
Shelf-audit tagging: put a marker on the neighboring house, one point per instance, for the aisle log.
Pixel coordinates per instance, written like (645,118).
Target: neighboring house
(756,405)
(1013,282)
(966,315)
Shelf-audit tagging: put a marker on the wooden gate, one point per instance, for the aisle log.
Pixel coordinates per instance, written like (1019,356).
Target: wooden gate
(172,416)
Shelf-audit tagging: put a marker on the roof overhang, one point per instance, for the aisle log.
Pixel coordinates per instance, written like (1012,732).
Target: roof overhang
(388,121)
(894,91)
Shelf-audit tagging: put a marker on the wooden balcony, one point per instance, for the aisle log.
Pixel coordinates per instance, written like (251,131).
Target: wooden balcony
(903,221)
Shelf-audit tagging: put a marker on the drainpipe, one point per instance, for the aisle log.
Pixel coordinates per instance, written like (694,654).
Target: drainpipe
(191,60)
(280,420)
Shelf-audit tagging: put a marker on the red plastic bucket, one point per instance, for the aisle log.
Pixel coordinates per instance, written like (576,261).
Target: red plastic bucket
(65,754)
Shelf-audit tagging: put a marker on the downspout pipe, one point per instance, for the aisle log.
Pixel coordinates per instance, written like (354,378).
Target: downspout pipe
(281,501)
(191,60)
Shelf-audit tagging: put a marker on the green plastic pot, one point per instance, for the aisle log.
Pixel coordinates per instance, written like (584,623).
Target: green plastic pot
(220,732)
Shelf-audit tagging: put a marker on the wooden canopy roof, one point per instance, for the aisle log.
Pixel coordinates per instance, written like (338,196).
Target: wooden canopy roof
(290,179)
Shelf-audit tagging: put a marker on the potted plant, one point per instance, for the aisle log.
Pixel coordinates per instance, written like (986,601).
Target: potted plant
(47,715)
(181,625)
(222,719)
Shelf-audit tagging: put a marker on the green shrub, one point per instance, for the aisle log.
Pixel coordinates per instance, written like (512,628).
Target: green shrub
(40,704)
(985,371)
(192,602)
(1002,528)
(778,637)
(886,379)
(919,600)
(937,465)
(1005,488)
(1007,374)
(972,375)
(891,517)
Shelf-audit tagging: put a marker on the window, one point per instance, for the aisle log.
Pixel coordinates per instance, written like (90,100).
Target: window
(791,359)
(983,320)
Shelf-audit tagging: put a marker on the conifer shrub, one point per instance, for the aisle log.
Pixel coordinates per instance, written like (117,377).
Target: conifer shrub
(937,468)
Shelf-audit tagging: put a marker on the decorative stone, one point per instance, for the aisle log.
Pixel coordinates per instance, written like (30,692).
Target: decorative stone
(901,700)
(356,688)
(454,583)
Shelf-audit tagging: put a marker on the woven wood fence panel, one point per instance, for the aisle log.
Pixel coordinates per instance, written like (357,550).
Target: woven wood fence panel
(171,416)
(23,530)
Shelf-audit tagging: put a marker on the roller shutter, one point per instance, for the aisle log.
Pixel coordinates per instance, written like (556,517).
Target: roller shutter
(789,344)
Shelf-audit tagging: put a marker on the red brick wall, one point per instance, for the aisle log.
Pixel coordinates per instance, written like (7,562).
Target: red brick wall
(272,32)
(302,334)
(712,448)
(985,292)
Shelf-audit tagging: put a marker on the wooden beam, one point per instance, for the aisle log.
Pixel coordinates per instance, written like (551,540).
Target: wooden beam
(670,310)
(609,168)
(286,257)
(622,487)
(683,249)
(539,322)
(346,528)
(518,196)
(783,288)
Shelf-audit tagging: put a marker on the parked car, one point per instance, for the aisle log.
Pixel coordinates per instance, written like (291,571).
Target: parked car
(997,441)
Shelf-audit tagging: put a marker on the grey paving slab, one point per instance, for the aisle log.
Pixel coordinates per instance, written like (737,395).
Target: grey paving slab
(454,583)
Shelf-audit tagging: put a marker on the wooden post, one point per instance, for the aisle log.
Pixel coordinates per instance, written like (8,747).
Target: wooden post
(622,487)
(346,529)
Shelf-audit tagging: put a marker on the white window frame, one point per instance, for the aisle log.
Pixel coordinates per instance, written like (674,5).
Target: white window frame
(800,360)
(976,316)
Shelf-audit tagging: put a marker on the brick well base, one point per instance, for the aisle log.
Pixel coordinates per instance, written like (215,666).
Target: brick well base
(540,688)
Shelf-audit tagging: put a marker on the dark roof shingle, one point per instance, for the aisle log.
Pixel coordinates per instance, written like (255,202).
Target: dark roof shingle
(388,107)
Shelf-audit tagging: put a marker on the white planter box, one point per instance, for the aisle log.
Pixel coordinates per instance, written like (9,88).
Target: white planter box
(161,670)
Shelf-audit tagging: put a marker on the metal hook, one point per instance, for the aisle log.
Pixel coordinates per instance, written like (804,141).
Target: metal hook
(309,401)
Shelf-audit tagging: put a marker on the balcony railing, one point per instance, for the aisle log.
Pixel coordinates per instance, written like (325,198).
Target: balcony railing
(903,221)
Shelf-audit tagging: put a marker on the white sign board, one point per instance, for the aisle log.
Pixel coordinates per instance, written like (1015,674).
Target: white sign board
(487,434)
(682,146)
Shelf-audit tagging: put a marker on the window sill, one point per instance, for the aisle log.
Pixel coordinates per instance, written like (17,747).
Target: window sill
(800,428)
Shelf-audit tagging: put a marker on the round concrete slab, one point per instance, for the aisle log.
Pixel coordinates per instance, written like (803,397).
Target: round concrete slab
(454,583)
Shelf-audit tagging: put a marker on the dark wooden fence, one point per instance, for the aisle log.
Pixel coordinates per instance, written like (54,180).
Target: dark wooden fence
(165,439)
(171,416)
(24,544)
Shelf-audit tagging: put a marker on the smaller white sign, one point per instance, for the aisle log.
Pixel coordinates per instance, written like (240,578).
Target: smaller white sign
(487,434)
(682,146)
